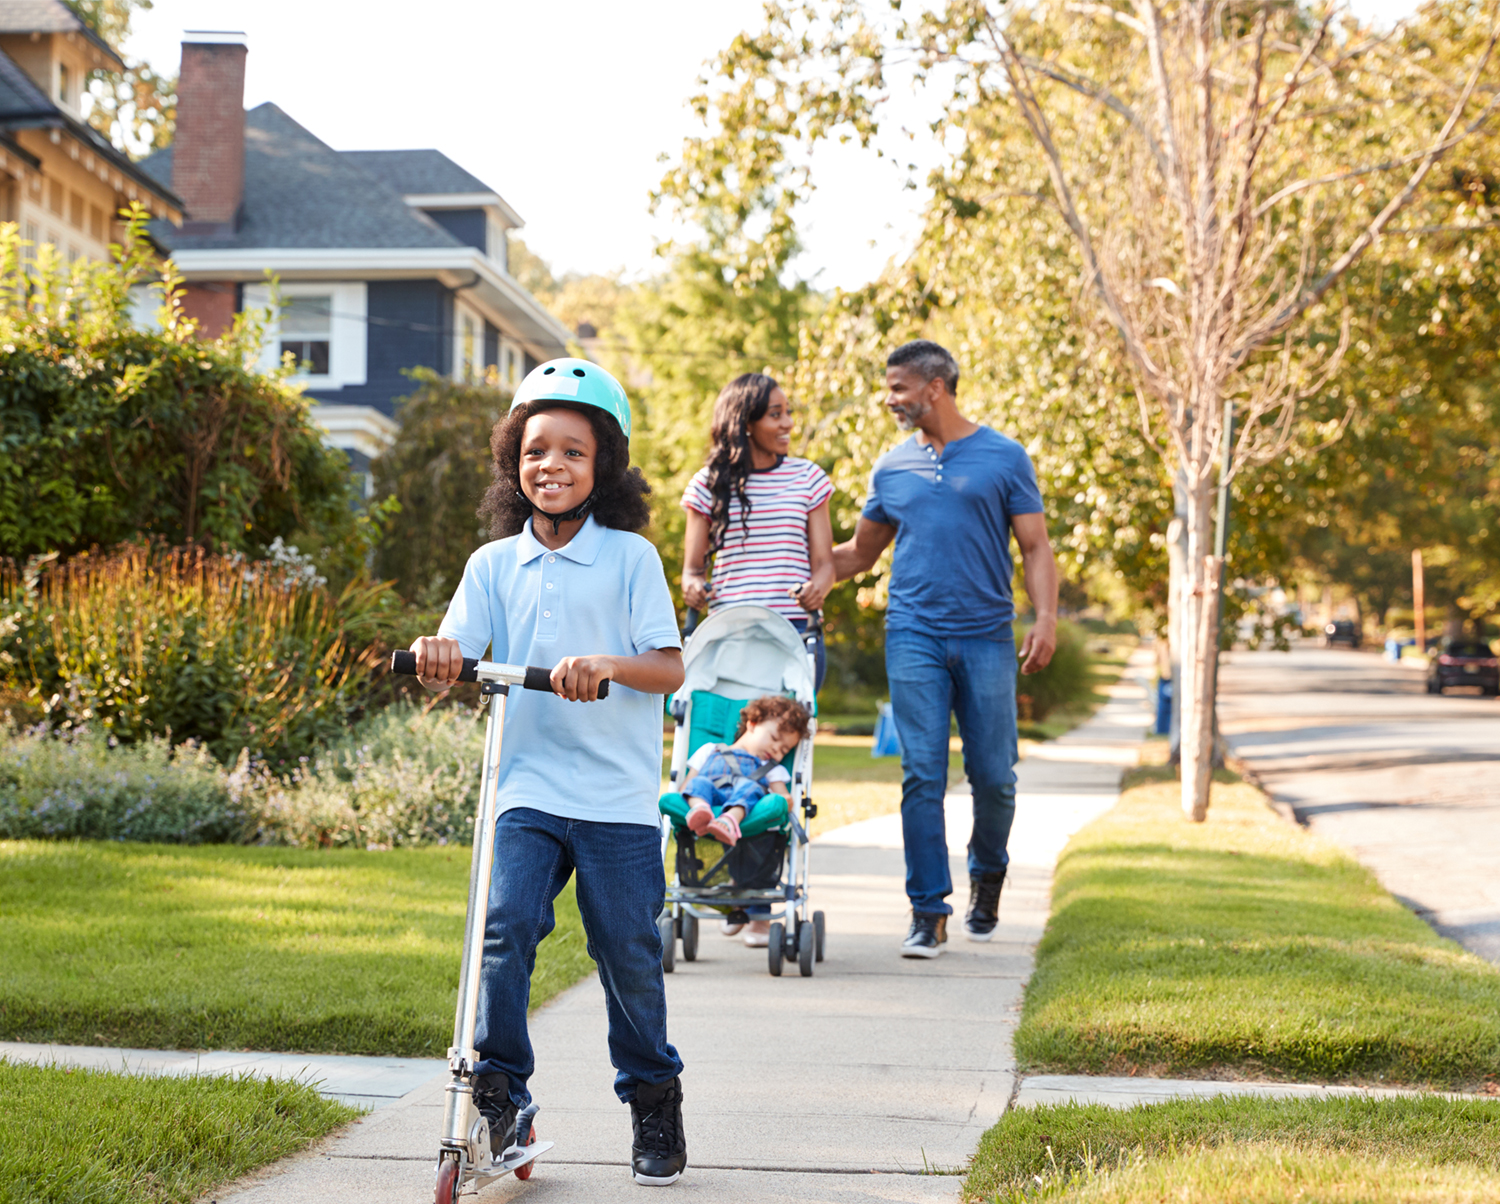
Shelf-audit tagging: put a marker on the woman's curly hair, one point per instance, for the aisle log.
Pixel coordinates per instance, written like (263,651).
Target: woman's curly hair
(788,713)
(620,491)
(742,401)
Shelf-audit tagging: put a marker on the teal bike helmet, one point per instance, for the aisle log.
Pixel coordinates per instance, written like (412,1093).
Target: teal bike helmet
(576,383)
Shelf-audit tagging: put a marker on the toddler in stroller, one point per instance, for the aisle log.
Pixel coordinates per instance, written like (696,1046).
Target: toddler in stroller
(730,783)
(747,669)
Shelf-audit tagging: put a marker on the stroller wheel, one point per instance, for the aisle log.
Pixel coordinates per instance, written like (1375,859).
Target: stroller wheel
(818,933)
(668,929)
(689,937)
(776,948)
(806,948)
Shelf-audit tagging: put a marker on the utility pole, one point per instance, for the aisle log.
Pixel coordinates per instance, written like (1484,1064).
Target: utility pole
(1419,600)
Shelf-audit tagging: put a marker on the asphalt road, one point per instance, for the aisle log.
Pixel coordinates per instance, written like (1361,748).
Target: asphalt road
(1409,783)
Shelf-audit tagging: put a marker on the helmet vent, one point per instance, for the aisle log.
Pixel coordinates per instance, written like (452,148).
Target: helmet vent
(548,371)
(577,371)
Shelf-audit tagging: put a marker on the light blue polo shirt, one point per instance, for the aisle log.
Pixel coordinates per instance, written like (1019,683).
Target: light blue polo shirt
(602,593)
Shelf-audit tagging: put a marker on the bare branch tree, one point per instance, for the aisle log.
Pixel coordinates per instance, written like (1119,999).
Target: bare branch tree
(1201,253)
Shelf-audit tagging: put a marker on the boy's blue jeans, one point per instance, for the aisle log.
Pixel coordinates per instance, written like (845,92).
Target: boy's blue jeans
(931,677)
(620,890)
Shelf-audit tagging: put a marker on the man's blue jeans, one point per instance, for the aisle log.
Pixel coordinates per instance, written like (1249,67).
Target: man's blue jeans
(620,889)
(932,677)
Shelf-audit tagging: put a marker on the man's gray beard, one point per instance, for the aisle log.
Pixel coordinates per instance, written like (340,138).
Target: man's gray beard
(907,416)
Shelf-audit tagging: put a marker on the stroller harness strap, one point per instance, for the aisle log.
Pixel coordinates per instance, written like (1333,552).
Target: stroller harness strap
(723,781)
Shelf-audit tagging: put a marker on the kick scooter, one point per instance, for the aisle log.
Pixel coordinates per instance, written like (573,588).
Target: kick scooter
(465,1162)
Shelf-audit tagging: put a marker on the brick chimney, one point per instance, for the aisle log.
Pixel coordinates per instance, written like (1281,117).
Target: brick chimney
(208,153)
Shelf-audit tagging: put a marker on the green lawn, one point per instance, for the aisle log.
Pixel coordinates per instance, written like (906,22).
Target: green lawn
(1391,1151)
(85,1137)
(161,946)
(1245,946)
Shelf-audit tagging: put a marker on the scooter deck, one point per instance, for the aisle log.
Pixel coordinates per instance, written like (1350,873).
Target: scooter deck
(515,1158)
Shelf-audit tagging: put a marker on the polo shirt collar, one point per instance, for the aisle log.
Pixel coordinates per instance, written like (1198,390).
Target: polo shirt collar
(581,549)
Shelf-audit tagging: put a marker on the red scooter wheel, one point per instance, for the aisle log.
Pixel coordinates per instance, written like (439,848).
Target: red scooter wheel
(447,1181)
(524,1172)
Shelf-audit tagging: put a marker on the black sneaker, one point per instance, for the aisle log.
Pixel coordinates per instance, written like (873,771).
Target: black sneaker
(658,1153)
(984,905)
(929,931)
(492,1098)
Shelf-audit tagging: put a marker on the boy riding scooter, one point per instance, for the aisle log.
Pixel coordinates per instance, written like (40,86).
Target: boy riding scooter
(567,583)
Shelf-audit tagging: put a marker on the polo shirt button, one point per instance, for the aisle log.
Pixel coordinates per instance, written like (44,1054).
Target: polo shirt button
(549,585)
(546,614)
(551,559)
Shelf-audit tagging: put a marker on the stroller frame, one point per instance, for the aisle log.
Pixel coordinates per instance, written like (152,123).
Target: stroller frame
(797,932)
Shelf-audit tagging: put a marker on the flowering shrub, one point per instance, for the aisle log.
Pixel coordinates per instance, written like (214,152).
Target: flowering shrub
(402,777)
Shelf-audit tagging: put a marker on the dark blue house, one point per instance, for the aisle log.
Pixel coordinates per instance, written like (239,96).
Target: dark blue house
(384,260)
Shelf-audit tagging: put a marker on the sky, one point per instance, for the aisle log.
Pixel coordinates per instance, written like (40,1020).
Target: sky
(565,109)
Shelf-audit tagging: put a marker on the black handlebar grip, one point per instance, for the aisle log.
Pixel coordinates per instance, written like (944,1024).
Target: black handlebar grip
(406,663)
(541,679)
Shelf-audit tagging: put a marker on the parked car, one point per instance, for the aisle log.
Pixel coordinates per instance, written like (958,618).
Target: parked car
(1464,662)
(1341,631)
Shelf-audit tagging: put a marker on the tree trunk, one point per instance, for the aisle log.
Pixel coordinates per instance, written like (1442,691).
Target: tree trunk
(1200,632)
(1176,575)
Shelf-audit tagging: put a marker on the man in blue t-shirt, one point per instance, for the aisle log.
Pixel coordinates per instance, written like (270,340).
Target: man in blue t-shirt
(951,496)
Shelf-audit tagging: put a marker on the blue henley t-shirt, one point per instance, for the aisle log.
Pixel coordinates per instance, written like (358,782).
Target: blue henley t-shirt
(951,571)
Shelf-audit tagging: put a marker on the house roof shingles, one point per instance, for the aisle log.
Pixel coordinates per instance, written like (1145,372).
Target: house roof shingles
(300,192)
(418,172)
(50,16)
(21,101)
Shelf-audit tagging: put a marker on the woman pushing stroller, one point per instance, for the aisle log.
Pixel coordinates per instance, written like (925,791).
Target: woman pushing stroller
(761,514)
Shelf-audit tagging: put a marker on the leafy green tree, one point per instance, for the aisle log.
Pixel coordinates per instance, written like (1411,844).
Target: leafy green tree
(109,432)
(135,109)
(437,471)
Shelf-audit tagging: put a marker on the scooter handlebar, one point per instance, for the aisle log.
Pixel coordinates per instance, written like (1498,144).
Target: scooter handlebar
(536,678)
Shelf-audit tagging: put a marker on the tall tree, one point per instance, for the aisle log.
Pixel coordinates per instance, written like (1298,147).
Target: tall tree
(1218,168)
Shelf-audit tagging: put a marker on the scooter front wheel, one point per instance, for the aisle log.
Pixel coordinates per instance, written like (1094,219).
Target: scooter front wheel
(447,1180)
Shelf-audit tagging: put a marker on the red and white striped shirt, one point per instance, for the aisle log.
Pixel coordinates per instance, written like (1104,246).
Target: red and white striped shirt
(772,559)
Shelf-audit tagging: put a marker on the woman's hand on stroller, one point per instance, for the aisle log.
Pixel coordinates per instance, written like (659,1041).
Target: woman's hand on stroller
(439,661)
(810,594)
(695,590)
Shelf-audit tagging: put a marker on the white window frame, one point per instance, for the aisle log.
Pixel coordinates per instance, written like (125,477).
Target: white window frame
(348,336)
(467,323)
(511,360)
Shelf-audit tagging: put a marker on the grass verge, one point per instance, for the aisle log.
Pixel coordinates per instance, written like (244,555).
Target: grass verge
(304,950)
(1244,947)
(1391,1151)
(80,1135)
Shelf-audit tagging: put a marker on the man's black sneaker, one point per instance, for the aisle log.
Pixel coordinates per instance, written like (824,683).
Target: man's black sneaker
(492,1098)
(984,905)
(929,931)
(658,1154)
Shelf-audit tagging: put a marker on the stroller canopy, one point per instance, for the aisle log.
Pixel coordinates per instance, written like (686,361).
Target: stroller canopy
(743,652)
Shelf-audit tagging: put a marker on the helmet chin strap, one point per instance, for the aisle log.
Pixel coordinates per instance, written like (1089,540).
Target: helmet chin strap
(579,511)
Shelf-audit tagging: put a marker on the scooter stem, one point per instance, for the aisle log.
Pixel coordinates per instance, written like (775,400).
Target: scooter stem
(481,869)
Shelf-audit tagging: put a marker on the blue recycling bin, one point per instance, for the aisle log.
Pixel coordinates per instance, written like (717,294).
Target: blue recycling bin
(1164,706)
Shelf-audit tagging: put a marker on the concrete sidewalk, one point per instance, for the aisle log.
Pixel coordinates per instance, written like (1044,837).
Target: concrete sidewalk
(850,1086)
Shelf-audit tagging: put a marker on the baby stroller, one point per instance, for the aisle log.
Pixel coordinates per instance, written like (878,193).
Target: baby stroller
(737,654)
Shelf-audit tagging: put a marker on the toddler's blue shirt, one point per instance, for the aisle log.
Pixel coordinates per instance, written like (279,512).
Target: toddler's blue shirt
(602,593)
(951,568)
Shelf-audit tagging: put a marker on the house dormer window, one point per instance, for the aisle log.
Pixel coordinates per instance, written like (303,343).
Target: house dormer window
(64,84)
(307,332)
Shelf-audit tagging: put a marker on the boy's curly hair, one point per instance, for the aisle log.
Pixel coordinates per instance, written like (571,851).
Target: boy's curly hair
(788,712)
(620,491)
